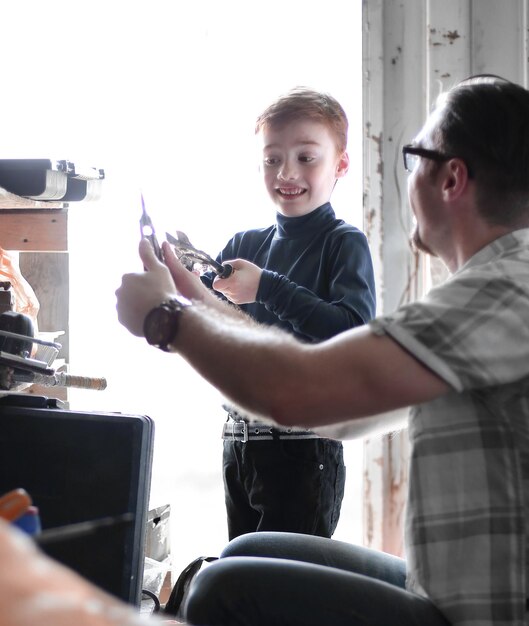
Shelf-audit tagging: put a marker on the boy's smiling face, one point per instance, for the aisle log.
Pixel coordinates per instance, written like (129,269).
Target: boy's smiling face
(300,165)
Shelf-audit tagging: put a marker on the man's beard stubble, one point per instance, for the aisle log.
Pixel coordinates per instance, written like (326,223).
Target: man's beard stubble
(417,243)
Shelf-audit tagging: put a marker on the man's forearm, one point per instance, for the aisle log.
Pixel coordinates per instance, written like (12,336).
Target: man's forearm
(371,426)
(269,373)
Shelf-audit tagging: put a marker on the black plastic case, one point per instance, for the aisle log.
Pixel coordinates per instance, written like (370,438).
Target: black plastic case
(78,467)
(50,180)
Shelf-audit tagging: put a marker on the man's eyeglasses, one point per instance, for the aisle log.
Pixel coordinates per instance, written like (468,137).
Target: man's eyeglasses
(411,155)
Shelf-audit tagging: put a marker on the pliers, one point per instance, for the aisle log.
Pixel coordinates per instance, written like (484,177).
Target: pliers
(189,255)
(147,231)
(184,250)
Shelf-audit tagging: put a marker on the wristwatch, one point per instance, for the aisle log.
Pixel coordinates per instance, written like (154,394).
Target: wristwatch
(161,324)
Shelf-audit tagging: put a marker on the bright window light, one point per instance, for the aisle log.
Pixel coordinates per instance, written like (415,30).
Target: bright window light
(163,95)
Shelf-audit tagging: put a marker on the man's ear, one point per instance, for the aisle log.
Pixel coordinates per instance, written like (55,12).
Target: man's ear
(343,165)
(456,179)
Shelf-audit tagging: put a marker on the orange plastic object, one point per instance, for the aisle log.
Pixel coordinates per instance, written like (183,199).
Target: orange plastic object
(14,504)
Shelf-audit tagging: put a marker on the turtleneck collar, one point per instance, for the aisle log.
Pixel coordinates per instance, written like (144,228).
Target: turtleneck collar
(292,227)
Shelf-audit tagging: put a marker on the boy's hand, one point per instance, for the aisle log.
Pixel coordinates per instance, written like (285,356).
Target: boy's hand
(242,284)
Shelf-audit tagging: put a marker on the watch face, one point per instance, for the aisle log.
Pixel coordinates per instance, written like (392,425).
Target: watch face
(161,326)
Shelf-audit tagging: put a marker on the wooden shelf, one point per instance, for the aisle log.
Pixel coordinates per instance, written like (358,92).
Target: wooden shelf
(34,230)
(32,225)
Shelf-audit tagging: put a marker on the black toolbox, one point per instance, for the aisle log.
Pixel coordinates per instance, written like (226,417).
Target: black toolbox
(80,467)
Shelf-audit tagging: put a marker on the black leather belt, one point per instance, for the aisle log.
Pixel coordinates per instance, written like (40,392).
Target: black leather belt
(245,431)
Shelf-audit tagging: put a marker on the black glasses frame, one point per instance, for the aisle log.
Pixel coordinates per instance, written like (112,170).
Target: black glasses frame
(434,155)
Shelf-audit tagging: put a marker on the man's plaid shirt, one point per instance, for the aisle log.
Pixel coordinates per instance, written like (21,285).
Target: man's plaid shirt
(467,524)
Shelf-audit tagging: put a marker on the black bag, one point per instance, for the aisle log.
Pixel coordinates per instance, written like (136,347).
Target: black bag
(180,590)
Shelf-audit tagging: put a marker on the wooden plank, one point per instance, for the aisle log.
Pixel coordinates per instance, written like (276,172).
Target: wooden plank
(499,31)
(61,393)
(39,230)
(394,110)
(449,37)
(413,51)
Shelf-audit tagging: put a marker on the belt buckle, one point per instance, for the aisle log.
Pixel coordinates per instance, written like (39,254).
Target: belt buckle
(244,431)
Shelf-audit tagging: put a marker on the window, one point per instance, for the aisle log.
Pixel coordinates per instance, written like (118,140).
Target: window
(163,96)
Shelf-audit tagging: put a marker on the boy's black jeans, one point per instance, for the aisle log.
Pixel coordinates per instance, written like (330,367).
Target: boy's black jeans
(283,485)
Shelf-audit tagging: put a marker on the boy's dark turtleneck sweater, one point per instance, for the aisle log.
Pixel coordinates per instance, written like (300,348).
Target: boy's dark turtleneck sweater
(317,278)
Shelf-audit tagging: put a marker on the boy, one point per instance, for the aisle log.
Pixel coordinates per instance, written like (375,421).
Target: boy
(310,274)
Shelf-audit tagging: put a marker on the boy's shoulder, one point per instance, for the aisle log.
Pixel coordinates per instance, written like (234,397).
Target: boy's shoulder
(245,240)
(343,226)
(254,233)
(340,228)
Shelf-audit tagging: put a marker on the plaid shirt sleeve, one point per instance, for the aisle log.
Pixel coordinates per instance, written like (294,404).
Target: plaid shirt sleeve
(471,333)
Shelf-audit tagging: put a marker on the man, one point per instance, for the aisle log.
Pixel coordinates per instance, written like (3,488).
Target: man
(459,357)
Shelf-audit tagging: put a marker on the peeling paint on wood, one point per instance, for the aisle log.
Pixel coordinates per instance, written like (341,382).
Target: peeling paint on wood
(380,160)
(368,510)
(443,35)
(452,35)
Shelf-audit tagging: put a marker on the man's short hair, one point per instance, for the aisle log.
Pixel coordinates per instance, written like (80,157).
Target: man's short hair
(485,122)
(306,104)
